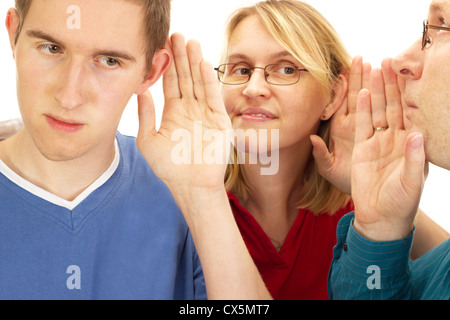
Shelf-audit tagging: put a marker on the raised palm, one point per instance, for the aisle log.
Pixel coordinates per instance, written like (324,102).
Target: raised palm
(178,152)
(388,165)
(335,164)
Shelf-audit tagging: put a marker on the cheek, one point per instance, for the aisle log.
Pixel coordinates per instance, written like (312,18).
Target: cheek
(112,94)
(305,105)
(229,96)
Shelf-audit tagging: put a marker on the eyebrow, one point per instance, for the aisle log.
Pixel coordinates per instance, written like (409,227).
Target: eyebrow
(109,53)
(273,56)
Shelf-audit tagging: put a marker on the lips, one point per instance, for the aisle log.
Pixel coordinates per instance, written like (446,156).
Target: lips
(257,114)
(63,125)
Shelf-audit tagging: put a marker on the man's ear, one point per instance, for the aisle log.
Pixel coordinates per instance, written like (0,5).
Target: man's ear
(160,63)
(12,25)
(339,93)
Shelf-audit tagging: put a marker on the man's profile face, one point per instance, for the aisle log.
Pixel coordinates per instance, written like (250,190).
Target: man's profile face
(426,93)
(78,64)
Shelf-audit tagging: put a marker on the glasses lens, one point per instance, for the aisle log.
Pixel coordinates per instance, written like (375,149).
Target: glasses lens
(282,74)
(234,73)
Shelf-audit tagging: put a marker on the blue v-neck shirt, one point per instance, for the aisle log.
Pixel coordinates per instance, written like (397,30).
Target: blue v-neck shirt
(126,240)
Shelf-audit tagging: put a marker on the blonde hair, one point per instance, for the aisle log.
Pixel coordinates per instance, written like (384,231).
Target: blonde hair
(310,39)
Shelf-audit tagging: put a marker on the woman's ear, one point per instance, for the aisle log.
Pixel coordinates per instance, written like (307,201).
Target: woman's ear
(160,63)
(12,25)
(338,95)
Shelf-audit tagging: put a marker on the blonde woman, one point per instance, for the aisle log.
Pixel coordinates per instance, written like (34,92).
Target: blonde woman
(285,73)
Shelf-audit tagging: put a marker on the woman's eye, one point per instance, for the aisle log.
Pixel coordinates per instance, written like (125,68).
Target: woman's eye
(51,49)
(286,70)
(242,71)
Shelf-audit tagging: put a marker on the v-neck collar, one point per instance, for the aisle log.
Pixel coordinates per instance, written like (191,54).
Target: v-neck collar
(70,215)
(265,244)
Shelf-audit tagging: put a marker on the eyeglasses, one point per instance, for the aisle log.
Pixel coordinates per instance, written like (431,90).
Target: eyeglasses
(280,74)
(426,39)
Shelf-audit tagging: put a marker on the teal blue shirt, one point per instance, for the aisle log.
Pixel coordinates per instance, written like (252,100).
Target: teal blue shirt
(363,269)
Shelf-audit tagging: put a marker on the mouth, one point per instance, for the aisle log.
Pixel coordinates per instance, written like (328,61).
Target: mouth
(257,115)
(63,125)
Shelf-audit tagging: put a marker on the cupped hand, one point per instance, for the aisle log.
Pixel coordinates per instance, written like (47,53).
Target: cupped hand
(179,152)
(335,164)
(388,165)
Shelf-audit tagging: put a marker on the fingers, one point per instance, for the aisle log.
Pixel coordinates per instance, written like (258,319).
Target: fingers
(386,98)
(378,99)
(364,127)
(212,92)
(182,65)
(178,81)
(320,153)
(359,78)
(146,111)
(170,81)
(195,60)
(367,68)
(394,112)
(186,76)
(413,173)
(354,83)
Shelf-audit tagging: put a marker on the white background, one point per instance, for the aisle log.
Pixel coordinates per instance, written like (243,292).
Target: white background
(374,29)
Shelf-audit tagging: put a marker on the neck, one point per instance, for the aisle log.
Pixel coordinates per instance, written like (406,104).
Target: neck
(67,178)
(273,198)
(277,194)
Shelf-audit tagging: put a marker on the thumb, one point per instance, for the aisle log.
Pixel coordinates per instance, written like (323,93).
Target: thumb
(323,158)
(414,169)
(146,112)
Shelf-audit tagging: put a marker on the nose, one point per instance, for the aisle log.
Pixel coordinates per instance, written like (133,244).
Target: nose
(257,86)
(69,89)
(409,64)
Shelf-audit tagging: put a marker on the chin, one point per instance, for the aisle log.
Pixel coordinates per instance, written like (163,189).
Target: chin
(60,151)
(442,161)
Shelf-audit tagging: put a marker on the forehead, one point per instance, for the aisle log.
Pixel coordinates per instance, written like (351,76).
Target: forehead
(88,23)
(250,36)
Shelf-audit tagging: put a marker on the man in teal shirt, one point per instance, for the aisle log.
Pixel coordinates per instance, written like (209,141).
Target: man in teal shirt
(402,124)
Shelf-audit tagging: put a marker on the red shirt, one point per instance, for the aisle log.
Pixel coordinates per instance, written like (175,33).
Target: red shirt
(300,270)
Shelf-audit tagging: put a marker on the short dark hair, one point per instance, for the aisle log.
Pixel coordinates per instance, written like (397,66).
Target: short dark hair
(156,17)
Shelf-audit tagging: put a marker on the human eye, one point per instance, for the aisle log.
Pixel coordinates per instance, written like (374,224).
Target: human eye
(109,62)
(51,49)
(288,70)
(240,70)
(284,69)
(443,24)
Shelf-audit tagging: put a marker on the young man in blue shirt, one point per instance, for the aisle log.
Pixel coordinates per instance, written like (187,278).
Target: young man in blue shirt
(82,214)
(401,124)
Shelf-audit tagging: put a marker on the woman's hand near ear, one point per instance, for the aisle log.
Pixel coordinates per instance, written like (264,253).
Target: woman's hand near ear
(334,162)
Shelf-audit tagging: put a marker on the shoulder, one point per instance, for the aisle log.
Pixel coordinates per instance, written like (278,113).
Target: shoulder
(139,180)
